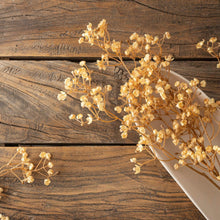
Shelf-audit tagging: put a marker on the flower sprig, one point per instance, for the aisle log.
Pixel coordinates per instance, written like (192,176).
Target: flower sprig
(148,98)
(25,169)
(212,47)
(3,217)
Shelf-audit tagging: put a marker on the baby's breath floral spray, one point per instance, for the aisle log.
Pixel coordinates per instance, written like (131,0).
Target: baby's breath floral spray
(149,97)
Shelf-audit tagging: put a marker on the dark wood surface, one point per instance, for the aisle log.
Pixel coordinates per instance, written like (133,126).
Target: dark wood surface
(51,28)
(96,182)
(38,49)
(31,113)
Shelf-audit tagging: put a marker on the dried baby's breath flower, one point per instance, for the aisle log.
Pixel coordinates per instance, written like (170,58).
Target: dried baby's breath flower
(133,160)
(149,96)
(50,165)
(89,119)
(48,156)
(50,172)
(47,182)
(116,46)
(213,39)
(212,47)
(108,88)
(3,217)
(27,168)
(176,166)
(68,85)
(42,155)
(200,44)
(72,116)
(61,96)
(79,116)
(124,135)
(82,63)
(137,169)
(167,35)
(118,109)
(203,83)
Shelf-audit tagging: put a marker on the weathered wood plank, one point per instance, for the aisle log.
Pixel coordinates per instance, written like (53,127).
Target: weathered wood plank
(95,182)
(203,71)
(51,28)
(31,113)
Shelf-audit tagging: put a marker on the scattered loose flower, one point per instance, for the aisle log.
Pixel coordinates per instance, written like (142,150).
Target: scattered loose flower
(28,168)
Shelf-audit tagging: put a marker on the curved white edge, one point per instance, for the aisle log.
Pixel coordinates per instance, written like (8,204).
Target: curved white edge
(204,195)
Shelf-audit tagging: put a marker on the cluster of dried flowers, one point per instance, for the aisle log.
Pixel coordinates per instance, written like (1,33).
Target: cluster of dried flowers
(3,217)
(212,47)
(25,169)
(148,97)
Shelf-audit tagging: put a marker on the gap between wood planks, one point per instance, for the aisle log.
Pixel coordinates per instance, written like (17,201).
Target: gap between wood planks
(89,59)
(64,144)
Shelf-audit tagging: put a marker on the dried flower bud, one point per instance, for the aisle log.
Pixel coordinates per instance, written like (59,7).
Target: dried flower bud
(136,93)
(31,166)
(81,40)
(180,105)
(68,83)
(210,50)
(48,156)
(50,172)
(213,39)
(167,35)
(208,149)
(50,165)
(72,116)
(176,166)
(124,135)
(200,44)
(118,109)
(28,173)
(147,58)
(177,83)
(116,46)
(30,179)
(47,182)
(61,96)
(108,88)
(203,83)
(189,91)
(89,119)
(134,36)
(20,150)
(147,47)
(133,160)
(42,155)
(137,169)
(180,97)
(82,63)
(79,116)
(182,162)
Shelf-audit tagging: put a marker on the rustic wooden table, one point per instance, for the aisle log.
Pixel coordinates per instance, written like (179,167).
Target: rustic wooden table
(38,49)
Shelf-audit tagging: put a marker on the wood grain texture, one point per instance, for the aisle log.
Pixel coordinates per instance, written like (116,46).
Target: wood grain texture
(51,28)
(95,182)
(31,113)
